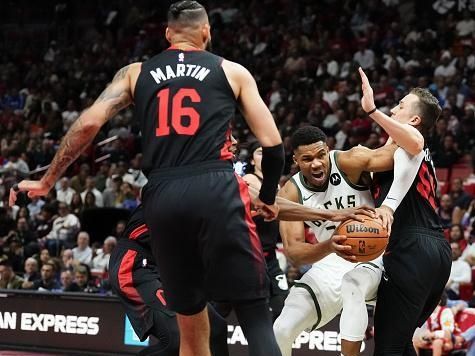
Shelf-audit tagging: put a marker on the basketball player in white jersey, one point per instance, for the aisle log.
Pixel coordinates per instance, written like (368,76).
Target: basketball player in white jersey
(330,180)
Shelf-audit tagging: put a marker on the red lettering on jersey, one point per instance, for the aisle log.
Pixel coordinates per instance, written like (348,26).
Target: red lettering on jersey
(179,111)
(426,185)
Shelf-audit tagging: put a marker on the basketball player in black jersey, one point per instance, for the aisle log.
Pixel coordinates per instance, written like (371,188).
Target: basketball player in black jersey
(197,209)
(418,258)
(268,232)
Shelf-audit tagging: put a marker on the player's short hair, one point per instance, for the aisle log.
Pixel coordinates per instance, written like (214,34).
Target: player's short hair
(306,136)
(186,12)
(428,108)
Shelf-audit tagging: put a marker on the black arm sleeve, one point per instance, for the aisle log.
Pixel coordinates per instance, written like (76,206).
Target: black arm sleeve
(272,167)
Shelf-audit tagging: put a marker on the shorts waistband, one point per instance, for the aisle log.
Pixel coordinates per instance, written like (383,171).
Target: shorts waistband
(191,169)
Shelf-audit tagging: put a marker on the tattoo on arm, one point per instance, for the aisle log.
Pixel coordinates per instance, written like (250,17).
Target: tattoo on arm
(113,99)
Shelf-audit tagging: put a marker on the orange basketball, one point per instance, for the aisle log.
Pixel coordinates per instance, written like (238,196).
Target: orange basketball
(367,239)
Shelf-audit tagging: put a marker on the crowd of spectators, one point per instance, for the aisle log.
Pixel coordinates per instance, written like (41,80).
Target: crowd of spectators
(56,57)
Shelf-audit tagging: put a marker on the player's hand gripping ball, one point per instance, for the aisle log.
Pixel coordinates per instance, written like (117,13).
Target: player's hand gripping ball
(368,239)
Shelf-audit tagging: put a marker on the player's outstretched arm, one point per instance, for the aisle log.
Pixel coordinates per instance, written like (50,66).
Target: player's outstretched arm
(290,211)
(114,98)
(406,136)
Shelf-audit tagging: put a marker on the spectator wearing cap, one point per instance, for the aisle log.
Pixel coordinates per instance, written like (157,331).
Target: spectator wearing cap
(91,187)
(446,68)
(100,263)
(64,193)
(83,252)
(8,278)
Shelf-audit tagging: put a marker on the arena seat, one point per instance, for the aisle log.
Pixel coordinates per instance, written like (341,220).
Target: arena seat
(466,291)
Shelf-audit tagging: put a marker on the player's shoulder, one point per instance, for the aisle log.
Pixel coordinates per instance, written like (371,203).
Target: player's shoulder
(291,190)
(235,68)
(252,180)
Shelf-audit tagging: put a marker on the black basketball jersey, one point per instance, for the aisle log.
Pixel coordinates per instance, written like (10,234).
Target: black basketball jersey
(184,103)
(268,231)
(418,208)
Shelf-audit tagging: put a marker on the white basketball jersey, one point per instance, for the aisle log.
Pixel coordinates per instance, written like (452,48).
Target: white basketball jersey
(338,193)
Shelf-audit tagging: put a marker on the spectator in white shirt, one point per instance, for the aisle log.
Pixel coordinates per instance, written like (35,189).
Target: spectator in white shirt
(466,26)
(461,272)
(446,68)
(83,252)
(65,193)
(64,228)
(364,56)
(100,263)
(91,187)
(69,115)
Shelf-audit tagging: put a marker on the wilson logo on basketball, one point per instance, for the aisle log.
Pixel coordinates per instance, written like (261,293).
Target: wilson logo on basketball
(361,228)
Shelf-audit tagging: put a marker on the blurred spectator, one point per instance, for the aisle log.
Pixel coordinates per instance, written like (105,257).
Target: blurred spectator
(89,201)
(16,164)
(64,228)
(100,263)
(76,204)
(102,175)
(445,211)
(68,263)
(69,115)
(78,182)
(48,280)
(8,278)
(34,207)
(460,272)
(456,234)
(67,282)
(31,270)
(28,237)
(45,219)
(461,200)
(436,333)
(111,195)
(81,277)
(91,188)
(468,337)
(83,252)
(447,154)
(64,193)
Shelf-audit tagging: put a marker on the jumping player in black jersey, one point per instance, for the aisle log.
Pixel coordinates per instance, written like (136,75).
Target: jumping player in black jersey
(197,209)
(418,258)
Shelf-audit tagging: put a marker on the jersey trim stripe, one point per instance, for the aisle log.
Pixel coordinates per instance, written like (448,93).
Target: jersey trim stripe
(315,301)
(298,190)
(351,184)
(142,229)
(125,277)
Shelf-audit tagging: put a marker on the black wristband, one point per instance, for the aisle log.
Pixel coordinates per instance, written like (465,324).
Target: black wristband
(272,166)
(372,111)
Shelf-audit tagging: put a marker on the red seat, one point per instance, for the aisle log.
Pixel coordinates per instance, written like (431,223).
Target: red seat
(460,172)
(466,291)
(442,174)
(465,319)
(469,188)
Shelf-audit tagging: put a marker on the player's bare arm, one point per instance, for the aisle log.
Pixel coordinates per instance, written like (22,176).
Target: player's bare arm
(293,236)
(361,159)
(262,124)
(117,96)
(406,136)
(291,211)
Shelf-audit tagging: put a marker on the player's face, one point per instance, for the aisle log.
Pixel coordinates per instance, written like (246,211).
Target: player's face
(314,162)
(405,112)
(257,159)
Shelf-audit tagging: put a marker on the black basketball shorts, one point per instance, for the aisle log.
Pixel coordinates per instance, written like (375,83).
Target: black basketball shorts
(417,265)
(203,237)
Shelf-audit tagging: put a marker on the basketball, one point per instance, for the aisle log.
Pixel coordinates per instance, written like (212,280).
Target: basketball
(367,239)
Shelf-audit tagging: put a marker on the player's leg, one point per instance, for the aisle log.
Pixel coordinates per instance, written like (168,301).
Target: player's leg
(299,313)
(219,333)
(236,269)
(174,241)
(358,287)
(255,320)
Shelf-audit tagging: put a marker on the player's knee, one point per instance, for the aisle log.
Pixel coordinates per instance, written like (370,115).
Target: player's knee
(351,289)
